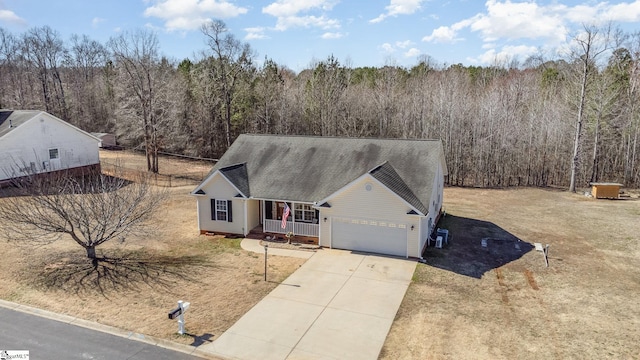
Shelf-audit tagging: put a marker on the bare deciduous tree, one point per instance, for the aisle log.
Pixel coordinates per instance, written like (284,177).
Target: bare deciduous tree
(144,81)
(591,43)
(90,209)
(45,51)
(232,60)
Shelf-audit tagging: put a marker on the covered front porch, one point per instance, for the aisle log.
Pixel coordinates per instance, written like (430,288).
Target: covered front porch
(302,220)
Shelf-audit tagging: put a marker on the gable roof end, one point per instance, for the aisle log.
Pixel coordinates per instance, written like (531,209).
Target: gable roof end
(387,175)
(12,119)
(237,175)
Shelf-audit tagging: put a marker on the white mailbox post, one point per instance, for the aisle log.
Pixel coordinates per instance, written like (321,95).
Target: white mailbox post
(179,313)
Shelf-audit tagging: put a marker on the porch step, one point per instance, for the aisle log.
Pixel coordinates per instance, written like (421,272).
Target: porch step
(255,235)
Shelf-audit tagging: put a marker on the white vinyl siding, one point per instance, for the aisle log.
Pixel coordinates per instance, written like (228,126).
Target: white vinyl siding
(39,141)
(218,188)
(376,204)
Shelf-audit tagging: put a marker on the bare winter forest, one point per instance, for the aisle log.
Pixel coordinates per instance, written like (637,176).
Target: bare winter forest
(561,121)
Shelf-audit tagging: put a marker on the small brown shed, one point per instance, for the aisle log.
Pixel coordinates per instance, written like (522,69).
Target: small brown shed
(107,141)
(602,190)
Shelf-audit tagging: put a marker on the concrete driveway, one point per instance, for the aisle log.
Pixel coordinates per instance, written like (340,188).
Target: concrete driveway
(338,305)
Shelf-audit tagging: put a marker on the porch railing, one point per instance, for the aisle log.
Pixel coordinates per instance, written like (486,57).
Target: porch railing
(304,229)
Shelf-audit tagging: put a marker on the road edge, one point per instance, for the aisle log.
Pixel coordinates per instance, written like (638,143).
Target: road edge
(71,320)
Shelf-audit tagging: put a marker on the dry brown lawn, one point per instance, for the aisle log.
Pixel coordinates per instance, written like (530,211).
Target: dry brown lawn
(139,280)
(467,302)
(173,171)
(470,302)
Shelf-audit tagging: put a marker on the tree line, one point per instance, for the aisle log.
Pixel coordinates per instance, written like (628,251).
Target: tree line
(544,122)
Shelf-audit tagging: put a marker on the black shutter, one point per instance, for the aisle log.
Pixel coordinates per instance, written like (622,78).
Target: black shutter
(268,210)
(317,215)
(229,212)
(213,209)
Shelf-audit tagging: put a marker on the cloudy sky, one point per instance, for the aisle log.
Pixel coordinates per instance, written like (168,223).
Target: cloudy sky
(357,32)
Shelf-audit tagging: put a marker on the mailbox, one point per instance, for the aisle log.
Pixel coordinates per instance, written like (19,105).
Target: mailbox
(175,313)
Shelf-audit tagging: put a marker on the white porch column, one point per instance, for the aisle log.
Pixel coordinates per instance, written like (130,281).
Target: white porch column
(246,222)
(293,214)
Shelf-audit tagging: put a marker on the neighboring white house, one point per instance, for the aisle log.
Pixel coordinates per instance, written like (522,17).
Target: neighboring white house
(34,141)
(373,195)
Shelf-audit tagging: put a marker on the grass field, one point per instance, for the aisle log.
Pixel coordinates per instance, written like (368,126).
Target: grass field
(470,302)
(465,302)
(139,280)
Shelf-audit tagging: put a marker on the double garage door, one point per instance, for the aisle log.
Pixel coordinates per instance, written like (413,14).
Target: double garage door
(377,236)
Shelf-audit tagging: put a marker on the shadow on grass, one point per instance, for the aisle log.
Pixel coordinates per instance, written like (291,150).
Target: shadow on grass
(125,271)
(201,339)
(465,254)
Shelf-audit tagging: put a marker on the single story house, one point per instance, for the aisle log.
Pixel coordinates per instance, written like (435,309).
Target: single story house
(372,195)
(33,141)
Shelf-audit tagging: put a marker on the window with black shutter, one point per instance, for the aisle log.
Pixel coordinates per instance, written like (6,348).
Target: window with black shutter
(221,210)
(213,209)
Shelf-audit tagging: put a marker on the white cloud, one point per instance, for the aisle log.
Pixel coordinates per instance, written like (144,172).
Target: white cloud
(413,52)
(404,44)
(285,8)
(506,54)
(399,7)
(388,48)
(321,22)
(255,33)
(11,17)
(579,13)
(525,20)
(447,34)
(332,35)
(507,20)
(627,12)
(302,13)
(378,19)
(97,21)
(191,14)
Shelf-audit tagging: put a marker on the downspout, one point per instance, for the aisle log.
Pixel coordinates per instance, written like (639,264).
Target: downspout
(420,237)
(319,227)
(330,234)
(244,229)
(198,212)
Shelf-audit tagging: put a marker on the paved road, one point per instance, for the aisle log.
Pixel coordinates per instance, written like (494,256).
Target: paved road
(51,339)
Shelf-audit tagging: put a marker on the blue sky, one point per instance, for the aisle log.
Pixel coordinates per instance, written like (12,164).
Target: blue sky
(357,32)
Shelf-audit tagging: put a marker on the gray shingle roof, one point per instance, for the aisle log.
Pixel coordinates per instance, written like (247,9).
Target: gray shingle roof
(387,175)
(11,119)
(237,174)
(310,168)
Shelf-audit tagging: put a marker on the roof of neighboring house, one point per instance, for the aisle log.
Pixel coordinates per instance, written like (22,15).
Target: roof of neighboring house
(312,168)
(12,119)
